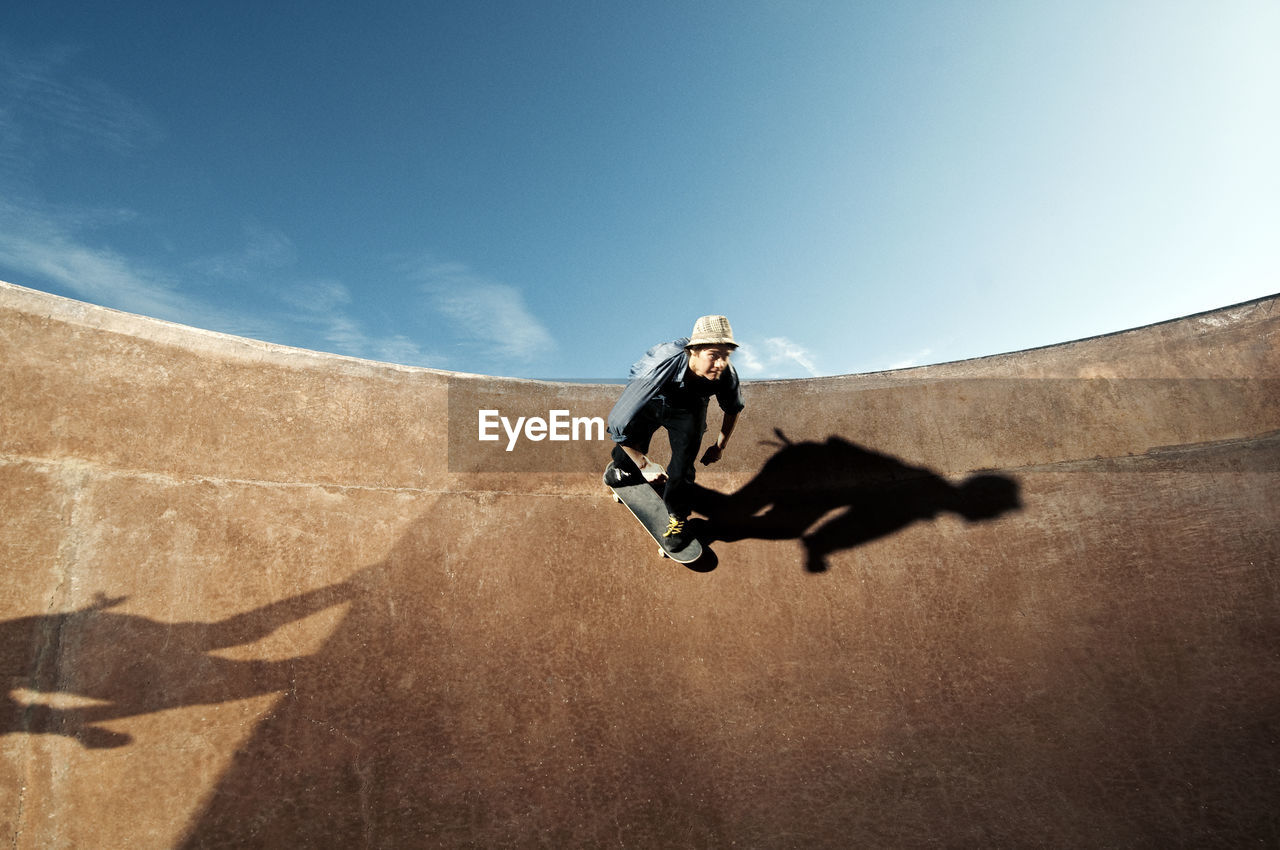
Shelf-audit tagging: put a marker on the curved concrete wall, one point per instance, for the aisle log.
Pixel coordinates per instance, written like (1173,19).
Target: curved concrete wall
(256,596)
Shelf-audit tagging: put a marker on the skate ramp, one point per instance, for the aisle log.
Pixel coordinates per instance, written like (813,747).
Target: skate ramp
(258,596)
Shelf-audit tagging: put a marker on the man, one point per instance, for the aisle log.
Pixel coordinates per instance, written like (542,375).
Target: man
(670,388)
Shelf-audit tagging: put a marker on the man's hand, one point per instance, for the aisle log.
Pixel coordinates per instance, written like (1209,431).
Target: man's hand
(650,471)
(654,473)
(716,449)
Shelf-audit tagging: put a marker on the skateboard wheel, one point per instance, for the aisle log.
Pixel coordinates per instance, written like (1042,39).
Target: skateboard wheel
(663,552)
(617,498)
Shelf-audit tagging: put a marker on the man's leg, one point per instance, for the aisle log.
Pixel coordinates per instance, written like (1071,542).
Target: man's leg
(623,462)
(637,436)
(684,431)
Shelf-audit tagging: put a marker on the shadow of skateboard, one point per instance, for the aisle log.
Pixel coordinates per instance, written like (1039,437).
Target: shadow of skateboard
(647,506)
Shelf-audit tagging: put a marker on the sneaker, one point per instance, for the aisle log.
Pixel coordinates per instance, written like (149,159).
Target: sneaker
(615,477)
(677,535)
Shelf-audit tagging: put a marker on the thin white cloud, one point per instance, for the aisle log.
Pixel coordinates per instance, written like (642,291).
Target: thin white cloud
(746,362)
(783,350)
(264,250)
(484,311)
(51,246)
(319,296)
(920,358)
(47,106)
(44,104)
(56,246)
(775,357)
(323,306)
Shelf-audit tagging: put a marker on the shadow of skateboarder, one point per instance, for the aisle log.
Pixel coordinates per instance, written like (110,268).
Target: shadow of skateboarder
(835,495)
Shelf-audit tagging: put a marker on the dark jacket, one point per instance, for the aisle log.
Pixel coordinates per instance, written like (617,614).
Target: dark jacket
(660,365)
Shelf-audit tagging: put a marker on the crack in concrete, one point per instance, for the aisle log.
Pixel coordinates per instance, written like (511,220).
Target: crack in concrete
(47,651)
(55,465)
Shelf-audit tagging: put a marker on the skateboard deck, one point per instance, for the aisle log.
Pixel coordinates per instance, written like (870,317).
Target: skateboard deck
(647,506)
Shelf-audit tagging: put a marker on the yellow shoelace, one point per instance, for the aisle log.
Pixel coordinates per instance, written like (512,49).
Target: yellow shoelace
(674,526)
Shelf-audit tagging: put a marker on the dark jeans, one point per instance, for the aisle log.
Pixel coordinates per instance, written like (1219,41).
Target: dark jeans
(685,428)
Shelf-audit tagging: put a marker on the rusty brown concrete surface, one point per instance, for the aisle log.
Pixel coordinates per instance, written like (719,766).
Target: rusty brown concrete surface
(260,597)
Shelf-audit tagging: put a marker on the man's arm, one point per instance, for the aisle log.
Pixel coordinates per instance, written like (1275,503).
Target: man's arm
(714,451)
(647,375)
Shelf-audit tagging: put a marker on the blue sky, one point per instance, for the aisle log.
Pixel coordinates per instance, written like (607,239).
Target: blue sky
(546,189)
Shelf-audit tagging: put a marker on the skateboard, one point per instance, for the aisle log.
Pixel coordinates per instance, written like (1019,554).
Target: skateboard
(647,506)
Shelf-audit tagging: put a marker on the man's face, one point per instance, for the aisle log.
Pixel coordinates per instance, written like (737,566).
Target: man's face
(709,362)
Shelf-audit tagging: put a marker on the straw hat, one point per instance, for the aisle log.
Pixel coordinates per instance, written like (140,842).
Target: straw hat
(712,330)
